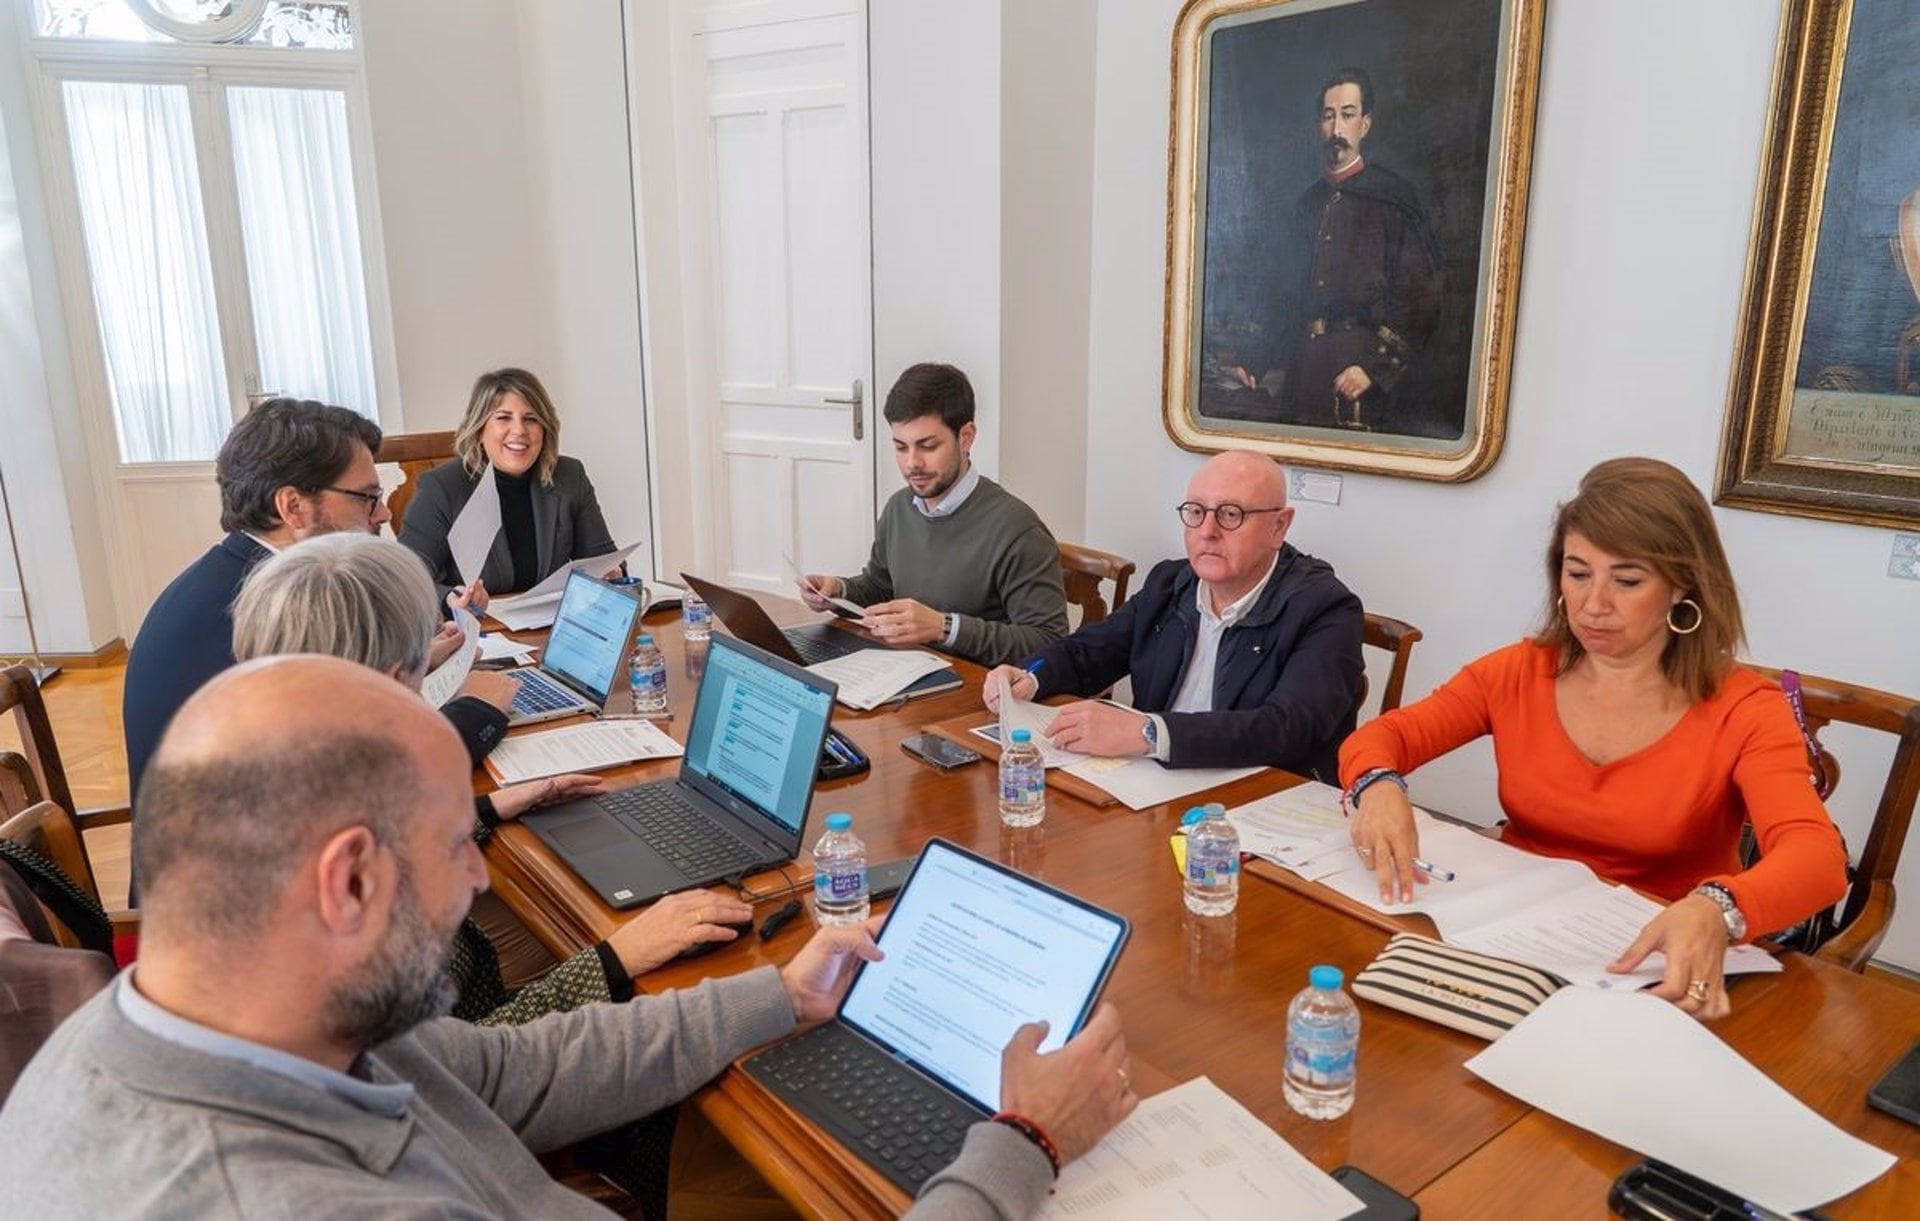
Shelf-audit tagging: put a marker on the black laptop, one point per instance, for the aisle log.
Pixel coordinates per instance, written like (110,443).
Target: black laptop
(806,645)
(739,804)
(974,951)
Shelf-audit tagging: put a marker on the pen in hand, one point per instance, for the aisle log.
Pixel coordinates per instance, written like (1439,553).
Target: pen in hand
(1432,870)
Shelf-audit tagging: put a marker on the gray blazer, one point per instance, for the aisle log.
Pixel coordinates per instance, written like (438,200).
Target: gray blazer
(567,524)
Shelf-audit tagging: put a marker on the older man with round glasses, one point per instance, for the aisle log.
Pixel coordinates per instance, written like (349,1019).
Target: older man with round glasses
(1247,652)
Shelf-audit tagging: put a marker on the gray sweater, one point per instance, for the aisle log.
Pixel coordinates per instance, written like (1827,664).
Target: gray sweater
(992,562)
(110,1120)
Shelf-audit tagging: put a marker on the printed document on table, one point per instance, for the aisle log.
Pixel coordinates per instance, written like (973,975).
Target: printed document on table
(870,677)
(579,748)
(1143,783)
(444,682)
(1301,829)
(1036,719)
(1639,1072)
(495,647)
(471,536)
(1195,1152)
(537,607)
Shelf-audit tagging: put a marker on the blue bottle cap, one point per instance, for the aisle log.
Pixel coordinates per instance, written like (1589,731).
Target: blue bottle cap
(1327,979)
(1193,816)
(844,822)
(645,638)
(1022,735)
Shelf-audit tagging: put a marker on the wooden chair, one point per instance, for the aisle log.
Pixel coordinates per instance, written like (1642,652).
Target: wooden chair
(416,453)
(1868,907)
(40,776)
(1398,638)
(54,834)
(1082,569)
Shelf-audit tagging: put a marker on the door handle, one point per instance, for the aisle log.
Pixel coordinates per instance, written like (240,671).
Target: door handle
(856,398)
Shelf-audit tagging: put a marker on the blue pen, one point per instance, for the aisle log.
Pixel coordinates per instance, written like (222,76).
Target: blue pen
(838,751)
(1433,871)
(1033,667)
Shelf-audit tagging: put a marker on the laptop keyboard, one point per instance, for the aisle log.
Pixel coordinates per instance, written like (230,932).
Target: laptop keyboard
(539,693)
(897,1121)
(695,845)
(815,647)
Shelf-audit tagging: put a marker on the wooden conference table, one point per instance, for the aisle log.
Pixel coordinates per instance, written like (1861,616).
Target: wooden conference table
(1209,996)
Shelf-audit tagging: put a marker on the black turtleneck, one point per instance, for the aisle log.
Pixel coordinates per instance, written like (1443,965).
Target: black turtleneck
(516,518)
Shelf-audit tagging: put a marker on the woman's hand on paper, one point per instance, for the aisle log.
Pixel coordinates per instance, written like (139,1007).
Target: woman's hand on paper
(1693,935)
(1385,840)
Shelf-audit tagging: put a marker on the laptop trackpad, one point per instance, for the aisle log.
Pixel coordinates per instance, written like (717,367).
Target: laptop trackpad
(591,833)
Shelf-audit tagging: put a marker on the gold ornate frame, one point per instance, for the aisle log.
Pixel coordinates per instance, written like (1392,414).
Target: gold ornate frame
(1756,469)
(1509,168)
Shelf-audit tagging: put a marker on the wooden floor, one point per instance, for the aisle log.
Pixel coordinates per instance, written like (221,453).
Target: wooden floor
(710,1181)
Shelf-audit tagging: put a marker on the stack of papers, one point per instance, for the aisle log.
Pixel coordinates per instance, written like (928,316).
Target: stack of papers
(870,677)
(1137,783)
(537,607)
(1643,1074)
(1195,1152)
(579,748)
(1549,913)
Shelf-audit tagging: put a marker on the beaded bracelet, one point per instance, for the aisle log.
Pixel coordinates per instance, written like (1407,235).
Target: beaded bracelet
(1033,1132)
(1352,797)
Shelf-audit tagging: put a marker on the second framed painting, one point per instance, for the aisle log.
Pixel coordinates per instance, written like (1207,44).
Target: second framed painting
(1346,212)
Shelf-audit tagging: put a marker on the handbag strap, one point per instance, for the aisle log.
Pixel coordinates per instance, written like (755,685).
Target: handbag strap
(69,904)
(1790,683)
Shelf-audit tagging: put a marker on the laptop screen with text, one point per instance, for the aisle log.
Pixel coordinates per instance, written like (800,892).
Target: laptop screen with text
(975,951)
(756,732)
(589,638)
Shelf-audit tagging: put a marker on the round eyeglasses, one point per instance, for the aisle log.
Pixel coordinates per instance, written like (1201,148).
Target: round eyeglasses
(1230,516)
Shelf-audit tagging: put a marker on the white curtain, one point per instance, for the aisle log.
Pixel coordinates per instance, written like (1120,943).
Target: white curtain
(302,233)
(146,238)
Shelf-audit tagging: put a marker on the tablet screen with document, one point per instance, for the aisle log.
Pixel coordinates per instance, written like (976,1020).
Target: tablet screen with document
(974,951)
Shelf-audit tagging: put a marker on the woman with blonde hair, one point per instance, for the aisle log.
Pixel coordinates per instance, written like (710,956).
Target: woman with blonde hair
(1627,738)
(549,515)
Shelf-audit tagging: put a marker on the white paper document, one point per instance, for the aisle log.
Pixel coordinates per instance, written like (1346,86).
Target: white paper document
(471,536)
(537,607)
(1142,783)
(1194,1152)
(1544,911)
(1643,1074)
(1036,719)
(841,607)
(495,647)
(870,677)
(443,682)
(1301,828)
(579,748)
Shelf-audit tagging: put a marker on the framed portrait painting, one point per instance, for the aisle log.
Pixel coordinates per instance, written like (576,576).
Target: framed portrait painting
(1823,414)
(1347,188)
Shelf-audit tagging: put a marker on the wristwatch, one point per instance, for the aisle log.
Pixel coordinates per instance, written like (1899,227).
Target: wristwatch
(1729,910)
(1151,733)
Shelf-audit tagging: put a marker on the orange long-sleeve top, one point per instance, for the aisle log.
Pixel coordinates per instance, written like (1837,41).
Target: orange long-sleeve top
(1664,819)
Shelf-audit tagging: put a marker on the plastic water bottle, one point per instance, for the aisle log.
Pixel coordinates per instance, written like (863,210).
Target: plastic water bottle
(1213,861)
(1323,1044)
(647,675)
(840,874)
(1023,781)
(696,617)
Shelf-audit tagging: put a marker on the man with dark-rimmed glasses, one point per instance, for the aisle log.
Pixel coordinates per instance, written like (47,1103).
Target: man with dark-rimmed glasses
(289,470)
(1247,652)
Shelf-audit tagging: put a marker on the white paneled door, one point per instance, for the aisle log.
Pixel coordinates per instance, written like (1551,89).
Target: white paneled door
(773,159)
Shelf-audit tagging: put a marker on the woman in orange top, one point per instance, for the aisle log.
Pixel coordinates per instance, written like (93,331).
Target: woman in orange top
(1626,738)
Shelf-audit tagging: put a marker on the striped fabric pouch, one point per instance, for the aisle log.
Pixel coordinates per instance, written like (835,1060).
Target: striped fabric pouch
(1470,992)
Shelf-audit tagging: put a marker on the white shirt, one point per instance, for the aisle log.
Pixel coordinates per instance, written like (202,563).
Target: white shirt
(956,496)
(1195,693)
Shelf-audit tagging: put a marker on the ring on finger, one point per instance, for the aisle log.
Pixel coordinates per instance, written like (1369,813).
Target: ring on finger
(1126,1082)
(1697,990)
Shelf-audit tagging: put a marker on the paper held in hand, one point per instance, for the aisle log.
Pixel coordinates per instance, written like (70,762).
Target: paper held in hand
(471,536)
(537,607)
(444,682)
(579,748)
(871,677)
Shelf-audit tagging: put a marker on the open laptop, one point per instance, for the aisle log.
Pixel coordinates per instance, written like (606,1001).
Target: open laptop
(583,661)
(913,1058)
(739,804)
(805,645)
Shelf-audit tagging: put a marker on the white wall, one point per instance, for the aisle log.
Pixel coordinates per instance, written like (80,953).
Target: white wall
(1646,158)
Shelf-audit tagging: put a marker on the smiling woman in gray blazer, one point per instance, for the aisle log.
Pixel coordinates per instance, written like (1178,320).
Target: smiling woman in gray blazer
(548,513)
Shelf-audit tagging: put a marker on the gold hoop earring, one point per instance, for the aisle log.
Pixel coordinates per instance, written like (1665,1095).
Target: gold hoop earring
(1699,617)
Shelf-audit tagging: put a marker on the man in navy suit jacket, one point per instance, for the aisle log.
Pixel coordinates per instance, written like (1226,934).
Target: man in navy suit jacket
(290,469)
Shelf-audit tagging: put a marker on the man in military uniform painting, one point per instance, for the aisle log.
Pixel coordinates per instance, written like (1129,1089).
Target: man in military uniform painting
(1347,336)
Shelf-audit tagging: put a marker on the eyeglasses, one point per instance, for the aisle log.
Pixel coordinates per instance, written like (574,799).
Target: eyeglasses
(1230,516)
(373,500)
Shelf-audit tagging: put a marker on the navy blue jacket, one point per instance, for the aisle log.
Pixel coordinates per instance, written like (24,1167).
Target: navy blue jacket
(1286,682)
(187,638)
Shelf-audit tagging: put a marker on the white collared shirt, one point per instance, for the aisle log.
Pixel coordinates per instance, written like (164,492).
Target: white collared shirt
(1195,693)
(271,549)
(955,497)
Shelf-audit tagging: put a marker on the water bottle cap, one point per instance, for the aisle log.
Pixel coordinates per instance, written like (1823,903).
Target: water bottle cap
(1192,816)
(844,822)
(1023,735)
(1327,979)
(646,638)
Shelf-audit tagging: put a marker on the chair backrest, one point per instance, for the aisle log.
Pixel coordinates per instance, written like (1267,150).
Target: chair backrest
(1868,909)
(20,695)
(49,834)
(1397,637)
(416,453)
(1082,569)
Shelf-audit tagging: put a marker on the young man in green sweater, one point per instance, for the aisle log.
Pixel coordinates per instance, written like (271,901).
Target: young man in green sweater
(958,562)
